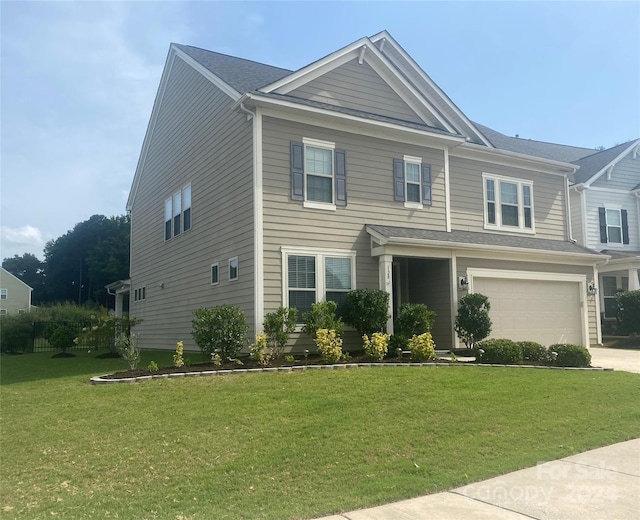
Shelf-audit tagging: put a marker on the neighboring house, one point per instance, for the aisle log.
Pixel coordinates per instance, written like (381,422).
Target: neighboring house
(262,187)
(15,295)
(605,211)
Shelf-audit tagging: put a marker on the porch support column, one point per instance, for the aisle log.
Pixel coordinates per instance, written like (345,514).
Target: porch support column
(634,283)
(385,270)
(118,305)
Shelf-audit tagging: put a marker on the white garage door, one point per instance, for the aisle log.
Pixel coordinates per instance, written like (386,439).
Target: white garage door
(533,310)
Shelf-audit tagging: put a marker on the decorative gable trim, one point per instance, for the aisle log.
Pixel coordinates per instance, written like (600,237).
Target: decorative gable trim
(365,50)
(633,148)
(384,38)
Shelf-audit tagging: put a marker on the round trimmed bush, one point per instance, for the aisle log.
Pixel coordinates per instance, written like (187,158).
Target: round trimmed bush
(422,347)
(499,351)
(533,352)
(568,355)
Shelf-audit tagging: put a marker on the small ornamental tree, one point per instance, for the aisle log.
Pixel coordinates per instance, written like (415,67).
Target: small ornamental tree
(278,326)
(221,330)
(367,310)
(472,322)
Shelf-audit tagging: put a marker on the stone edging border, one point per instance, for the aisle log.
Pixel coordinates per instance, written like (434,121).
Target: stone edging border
(101,380)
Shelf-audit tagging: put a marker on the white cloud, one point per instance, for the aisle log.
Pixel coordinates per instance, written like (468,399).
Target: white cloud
(20,240)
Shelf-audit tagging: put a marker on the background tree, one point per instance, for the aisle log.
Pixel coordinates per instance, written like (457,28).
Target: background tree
(30,270)
(82,261)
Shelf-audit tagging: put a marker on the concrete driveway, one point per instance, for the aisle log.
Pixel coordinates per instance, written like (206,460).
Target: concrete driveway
(619,359)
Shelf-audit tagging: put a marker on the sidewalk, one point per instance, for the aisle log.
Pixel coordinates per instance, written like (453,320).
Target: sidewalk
(600,484)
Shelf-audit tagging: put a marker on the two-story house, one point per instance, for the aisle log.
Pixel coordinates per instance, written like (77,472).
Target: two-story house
(605,216)
(15,295)
(263,187)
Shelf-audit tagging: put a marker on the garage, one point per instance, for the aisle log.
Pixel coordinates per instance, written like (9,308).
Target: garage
(542,307)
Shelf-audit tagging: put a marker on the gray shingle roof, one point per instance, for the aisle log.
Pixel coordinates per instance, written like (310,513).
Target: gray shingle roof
(619,255)
(555,152)
(482,239)
(592,164)
(243,75)
(358,113)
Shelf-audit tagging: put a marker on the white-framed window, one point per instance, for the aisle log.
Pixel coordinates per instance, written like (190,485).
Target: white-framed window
(233,269)
(313,275)
(412,182)
(318,171)
(215,274)
(508,203)
(614,226)
(177,213)
(3,312)
(140,294)
(612,285)
(3,294)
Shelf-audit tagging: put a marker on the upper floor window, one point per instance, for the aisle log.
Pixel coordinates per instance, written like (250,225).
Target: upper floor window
(412,182)
(139,295)
(614,226)
(215,274)
(318,174)
(3,294)
(508,203)
(177,213)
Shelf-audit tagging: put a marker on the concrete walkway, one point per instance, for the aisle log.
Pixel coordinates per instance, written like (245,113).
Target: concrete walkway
(602,484)
(627,360)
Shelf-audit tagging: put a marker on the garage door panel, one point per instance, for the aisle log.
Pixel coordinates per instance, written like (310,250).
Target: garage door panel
(536,310)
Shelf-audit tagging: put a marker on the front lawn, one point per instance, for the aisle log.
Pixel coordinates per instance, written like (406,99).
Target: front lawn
(284,445)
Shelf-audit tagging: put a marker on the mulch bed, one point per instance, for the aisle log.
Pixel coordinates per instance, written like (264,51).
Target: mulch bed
(248,363)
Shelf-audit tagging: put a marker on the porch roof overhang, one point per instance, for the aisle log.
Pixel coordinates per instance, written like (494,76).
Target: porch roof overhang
(121,286)
(621,261)
(396,240)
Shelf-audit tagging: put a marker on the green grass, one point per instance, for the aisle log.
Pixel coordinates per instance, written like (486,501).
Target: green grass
(275,445)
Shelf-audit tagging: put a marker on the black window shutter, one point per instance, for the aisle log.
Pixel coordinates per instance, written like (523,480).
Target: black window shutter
(297,171)
(625,226)
(398,180)
(426,184)
(603,225)
(341,177)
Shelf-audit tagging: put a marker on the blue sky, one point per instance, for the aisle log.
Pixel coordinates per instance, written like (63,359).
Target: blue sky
(78,80)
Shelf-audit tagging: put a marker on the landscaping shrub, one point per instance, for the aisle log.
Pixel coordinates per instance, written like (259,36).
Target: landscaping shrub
(629,311)
(376,348)
(329,345)
(15,333)
(103,331)
(413,319)
(500,351)
(220,330)
(260,351)
(322,316)
(533,352)
(367,310)
(568,355)
(396,343)
(422,347)
(278,326)
(61,336)
(472,322)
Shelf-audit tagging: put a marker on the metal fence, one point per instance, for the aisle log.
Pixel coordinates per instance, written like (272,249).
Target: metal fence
(41,332)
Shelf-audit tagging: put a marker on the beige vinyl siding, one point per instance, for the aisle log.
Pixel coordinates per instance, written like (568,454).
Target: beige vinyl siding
(467,202)
(465,263)
(197,139)
(18,293)
(625,175)
(612,200)
(370,199)
(359,87)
